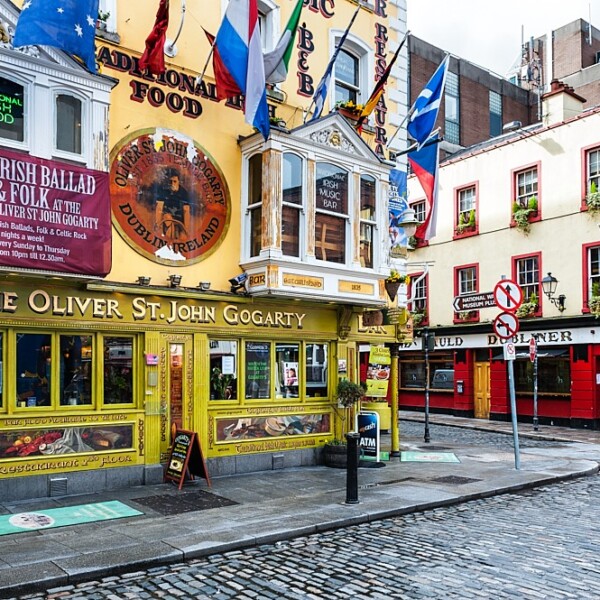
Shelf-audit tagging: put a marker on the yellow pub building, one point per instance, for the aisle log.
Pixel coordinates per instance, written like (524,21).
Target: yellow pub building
(164,267)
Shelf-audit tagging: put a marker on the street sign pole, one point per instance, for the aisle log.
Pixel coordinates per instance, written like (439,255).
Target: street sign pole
(535,393)
(513,410)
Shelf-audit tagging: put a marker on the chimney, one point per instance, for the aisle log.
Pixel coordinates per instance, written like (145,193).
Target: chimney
(561,103)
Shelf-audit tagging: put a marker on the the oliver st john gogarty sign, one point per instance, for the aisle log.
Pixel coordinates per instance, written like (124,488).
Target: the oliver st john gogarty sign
(170,201)
(53,216)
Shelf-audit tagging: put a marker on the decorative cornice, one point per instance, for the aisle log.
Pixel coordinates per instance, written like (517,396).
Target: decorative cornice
(333,138)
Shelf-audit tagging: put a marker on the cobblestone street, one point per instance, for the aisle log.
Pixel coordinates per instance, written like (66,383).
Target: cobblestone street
(537,544)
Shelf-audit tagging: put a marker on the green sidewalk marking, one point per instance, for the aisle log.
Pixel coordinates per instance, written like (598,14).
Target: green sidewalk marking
(444,457)
(61,517)
(382,456)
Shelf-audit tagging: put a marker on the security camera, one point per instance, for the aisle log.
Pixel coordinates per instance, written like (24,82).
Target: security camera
(238,282)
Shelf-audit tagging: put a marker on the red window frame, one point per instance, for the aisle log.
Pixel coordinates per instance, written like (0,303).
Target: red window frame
(474,314)
(585,274)
(513,194)
(414,277)
(584,172)
(515,277)
(457,191)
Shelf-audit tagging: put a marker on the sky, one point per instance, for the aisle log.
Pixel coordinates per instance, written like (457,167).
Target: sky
(490,34)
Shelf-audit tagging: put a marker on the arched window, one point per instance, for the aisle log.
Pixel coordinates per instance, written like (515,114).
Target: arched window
(255,203)
(292,204)
(12,107)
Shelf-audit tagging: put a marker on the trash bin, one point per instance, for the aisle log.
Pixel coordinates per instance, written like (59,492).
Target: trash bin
(384,411)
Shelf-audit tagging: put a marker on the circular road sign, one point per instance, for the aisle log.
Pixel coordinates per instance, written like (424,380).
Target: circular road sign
(532,349)
(506,325)
(508,295)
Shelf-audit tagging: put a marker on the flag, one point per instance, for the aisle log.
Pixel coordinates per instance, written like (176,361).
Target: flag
(239,46)
(226,86)
(424,163)
(321,91)
(153,57)
(69,25)
(379,88)
(424,112)
(277,61)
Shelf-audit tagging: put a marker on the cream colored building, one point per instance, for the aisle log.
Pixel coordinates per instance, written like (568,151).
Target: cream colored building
(547,171)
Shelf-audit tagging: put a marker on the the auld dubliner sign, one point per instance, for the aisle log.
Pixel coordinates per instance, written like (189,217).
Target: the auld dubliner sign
(53,216)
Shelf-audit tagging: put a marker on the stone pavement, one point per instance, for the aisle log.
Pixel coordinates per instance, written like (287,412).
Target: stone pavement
(271,506)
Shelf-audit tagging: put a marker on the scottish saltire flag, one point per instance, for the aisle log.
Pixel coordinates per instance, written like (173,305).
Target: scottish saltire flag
(424,163)
(321,92)
(240,49)
(277,61)
(69,25)
(424,111)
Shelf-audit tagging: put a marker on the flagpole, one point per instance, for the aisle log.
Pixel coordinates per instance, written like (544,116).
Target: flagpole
(170,47)
(201,76)
(427,143)
(406,118)
(359,5)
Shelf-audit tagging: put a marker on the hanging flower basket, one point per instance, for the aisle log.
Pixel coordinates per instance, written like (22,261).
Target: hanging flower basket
(392,287)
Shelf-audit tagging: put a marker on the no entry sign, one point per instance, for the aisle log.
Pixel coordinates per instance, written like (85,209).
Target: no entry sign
(506,325)
(508,295)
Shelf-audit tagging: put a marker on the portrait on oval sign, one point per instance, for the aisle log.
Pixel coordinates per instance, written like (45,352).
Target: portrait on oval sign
(170,201)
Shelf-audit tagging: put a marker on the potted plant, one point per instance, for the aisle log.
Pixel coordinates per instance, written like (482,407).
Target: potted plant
(348,394)
(349,110)
(522,214)
(277,122)
(465,223)
(102,19)
(393,282)
(418,316)
(592,200)
(528,308)
(594,301)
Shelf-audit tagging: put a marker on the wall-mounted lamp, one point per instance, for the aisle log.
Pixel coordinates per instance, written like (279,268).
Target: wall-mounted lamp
(143,280)
(549,284)
(174,280)
(408,222)
(204,286)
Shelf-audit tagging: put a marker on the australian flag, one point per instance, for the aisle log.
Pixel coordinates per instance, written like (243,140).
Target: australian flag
(69,25)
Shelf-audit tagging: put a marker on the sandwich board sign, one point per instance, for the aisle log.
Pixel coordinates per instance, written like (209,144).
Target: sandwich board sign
(185,458)
(368,429)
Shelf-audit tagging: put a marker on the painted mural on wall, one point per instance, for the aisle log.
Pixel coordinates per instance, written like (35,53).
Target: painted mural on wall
(170,201)
(248,428)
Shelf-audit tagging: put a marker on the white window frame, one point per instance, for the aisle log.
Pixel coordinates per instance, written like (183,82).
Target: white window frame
(85,125)
(593,174)
(466,203)
(526,180)
(28,112)
(364,53)
(299,207)
(369,223)
(109,6)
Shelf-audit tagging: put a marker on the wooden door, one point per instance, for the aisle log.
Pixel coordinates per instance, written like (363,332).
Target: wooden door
(481,390)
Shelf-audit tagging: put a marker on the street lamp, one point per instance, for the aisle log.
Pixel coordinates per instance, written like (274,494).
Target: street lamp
(549,284)
(408,222)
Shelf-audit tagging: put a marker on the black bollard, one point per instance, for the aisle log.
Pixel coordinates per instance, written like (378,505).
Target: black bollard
(352,440)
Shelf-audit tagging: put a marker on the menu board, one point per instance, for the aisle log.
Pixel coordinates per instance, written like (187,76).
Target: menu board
(186,458)
(258,369)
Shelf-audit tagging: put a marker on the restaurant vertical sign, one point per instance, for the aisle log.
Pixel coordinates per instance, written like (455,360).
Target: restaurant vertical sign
(53,216)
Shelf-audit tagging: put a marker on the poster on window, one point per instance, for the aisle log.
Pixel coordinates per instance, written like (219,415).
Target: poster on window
(378,372)
(397,206)
(54,216)
(258,364)
(170,200)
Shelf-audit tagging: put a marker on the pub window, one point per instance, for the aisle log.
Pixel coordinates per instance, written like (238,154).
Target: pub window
(223,369)
(255,203)
(34,369)
(257,370)
(593,273)
(292,204)
(75,376)
(118,370)
(413,371)
(12,105)
(287,373)
(367,220)
(68,123)
(554,373)
(332,213)
(316,371)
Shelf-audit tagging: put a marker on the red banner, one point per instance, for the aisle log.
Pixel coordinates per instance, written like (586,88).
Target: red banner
(53,216)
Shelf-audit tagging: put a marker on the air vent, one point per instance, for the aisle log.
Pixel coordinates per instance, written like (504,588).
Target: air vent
(278,461)
(57,486)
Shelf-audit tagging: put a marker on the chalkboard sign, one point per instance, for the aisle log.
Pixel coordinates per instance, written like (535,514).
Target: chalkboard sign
(186,458)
